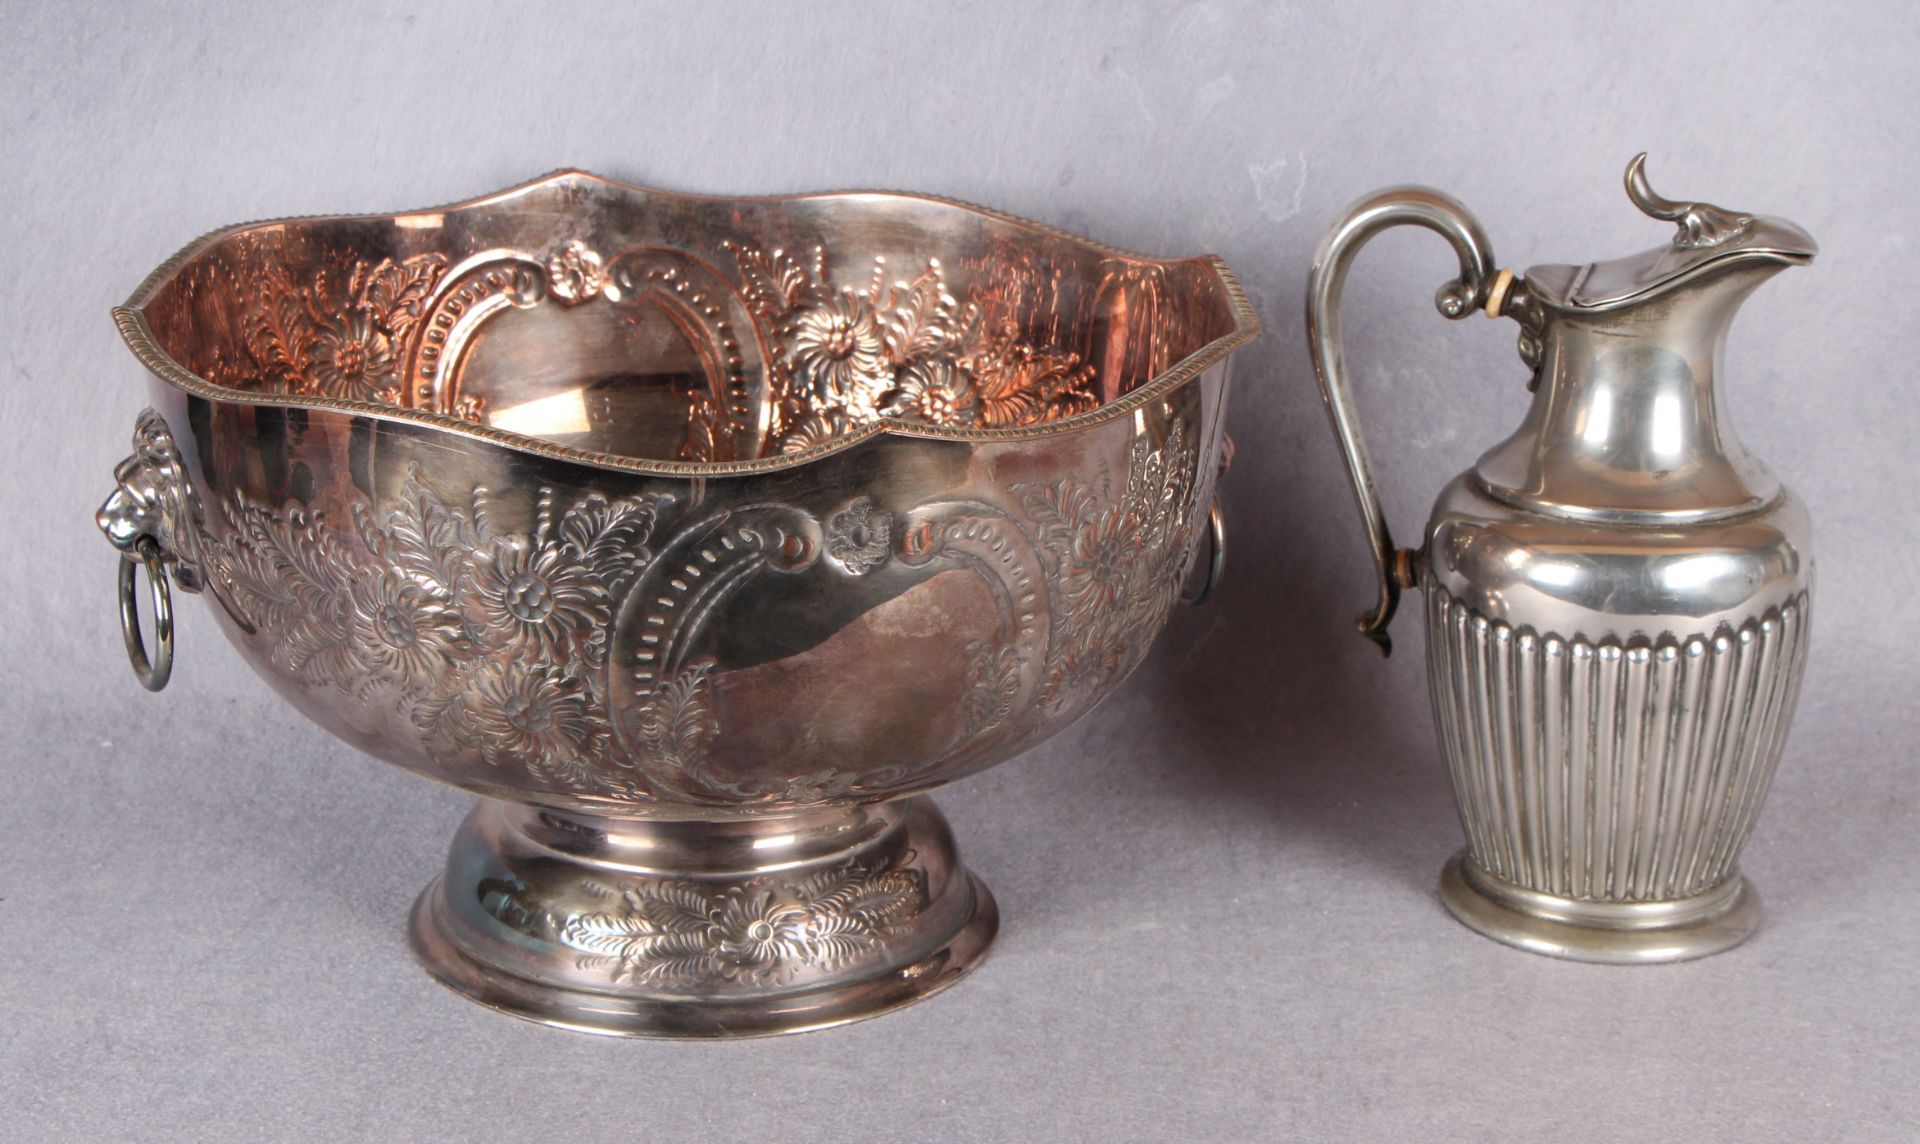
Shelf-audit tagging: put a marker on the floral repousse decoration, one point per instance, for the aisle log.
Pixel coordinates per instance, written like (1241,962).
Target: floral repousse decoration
(341,333)
(907,350)
(399,628)
(762,931)
(575,274)
(540,716)
(836,357)
(1113,570)
(675,724)
(489,641)
(494,642)
(934,391)
(536,601)
(859,538)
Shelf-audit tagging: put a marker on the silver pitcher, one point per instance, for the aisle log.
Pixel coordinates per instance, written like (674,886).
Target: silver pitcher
(1617,594)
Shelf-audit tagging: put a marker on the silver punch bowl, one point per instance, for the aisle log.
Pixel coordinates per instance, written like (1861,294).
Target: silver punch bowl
(699,537)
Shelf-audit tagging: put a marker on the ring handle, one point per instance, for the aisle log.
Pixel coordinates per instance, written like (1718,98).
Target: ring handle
(1217,556)
(151,520)
(1395,206)
(153,674)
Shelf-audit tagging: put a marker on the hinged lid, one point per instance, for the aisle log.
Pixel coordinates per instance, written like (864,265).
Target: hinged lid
(1708,236)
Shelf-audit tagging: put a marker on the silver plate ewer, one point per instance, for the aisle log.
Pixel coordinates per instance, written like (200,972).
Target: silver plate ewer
(699,537)
(1616,595)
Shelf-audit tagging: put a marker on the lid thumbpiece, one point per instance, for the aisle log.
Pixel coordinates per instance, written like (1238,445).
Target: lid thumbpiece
(1702,225)
(1709,240)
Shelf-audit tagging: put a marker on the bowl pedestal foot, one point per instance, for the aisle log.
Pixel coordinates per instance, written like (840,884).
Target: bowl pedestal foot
(1612,933)
(731,928)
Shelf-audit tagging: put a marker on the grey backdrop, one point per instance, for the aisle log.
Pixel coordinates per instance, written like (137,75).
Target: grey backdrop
(1218,892)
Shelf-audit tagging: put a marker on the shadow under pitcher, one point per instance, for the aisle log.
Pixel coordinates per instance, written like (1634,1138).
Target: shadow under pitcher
(700,537)
(1616,595)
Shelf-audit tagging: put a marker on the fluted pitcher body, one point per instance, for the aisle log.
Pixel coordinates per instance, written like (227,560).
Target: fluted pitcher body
(1617,595)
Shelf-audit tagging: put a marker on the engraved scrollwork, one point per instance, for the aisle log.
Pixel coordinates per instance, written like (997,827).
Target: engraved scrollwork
(986,541)
(669,724)
(497,643)
(1082,585)
(475,292)
(762,931)
(731,417)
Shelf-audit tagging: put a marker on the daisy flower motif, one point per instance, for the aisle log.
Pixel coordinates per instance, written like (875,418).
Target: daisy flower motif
(838,351)
(351,358)
(757,935)
(935,391)
(534,600)
(1091,661)
(1103,558)
(536,717)
(400,629)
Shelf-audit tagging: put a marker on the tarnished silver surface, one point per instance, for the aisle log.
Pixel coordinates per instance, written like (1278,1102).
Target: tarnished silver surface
(1617,594)
(694,534)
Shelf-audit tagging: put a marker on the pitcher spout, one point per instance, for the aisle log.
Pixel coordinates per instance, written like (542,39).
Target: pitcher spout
(1629,421)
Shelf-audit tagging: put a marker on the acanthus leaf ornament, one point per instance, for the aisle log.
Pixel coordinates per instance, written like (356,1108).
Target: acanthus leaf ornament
(762,931)
(1113,567)
(340,332)
(494,642)
(905,349)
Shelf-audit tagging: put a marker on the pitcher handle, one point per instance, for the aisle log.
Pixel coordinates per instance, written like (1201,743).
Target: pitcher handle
(1476,287)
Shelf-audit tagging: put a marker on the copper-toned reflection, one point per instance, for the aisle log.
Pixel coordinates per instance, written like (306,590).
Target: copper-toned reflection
(709,332)
(700,538)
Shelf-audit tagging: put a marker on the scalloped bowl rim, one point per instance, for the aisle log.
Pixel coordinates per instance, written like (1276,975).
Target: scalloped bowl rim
(139,338)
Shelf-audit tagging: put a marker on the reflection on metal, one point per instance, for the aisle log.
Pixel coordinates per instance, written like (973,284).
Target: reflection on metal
(699,537)
(1617,594)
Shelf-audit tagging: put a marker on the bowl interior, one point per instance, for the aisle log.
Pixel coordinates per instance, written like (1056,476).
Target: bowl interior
(641,324)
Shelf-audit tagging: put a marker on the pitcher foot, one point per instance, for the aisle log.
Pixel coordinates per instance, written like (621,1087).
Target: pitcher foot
(1611,933)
